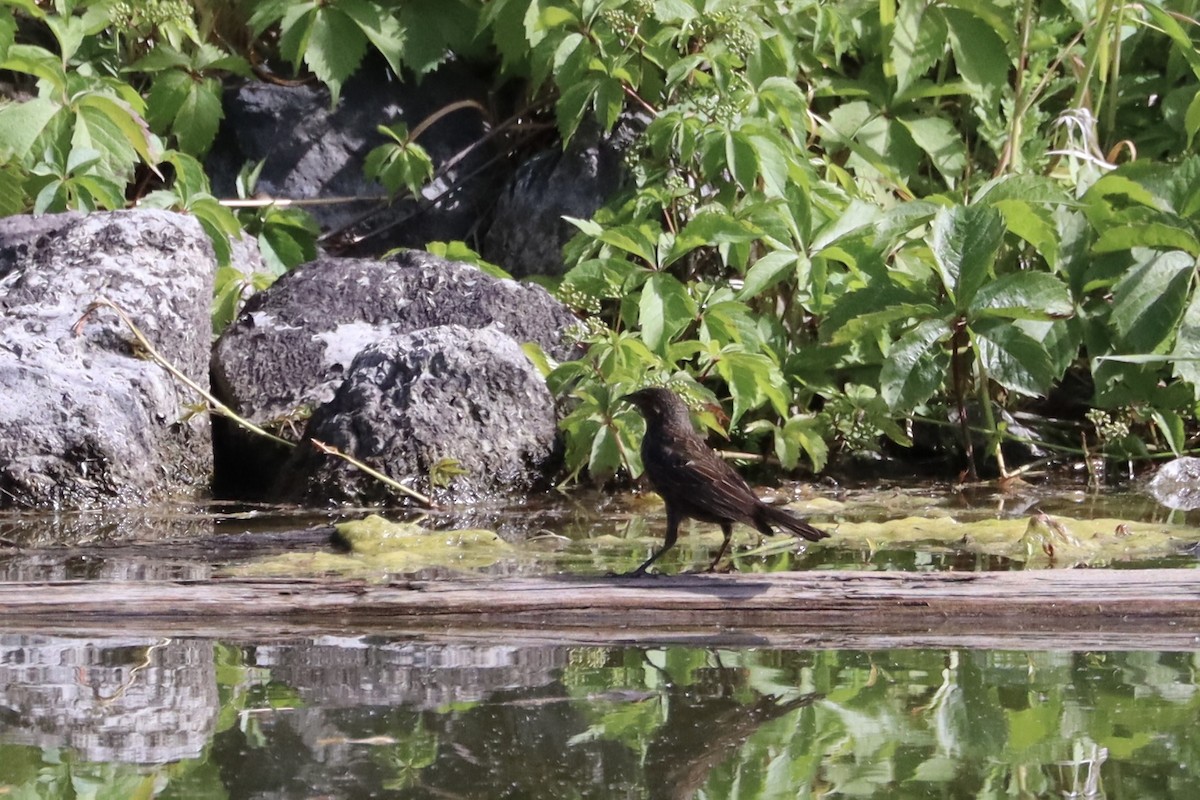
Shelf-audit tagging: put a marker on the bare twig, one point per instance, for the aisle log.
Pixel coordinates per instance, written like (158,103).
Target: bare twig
(374,473)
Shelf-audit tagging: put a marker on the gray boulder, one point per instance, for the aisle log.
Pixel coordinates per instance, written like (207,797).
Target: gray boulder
(85,421)
(441,396)
(1177,484)
(293,344)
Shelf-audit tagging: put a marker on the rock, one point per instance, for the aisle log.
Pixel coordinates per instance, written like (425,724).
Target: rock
(414,403)
(528,232)
(1177,484)
(84,421)
(292,345)
(311,150)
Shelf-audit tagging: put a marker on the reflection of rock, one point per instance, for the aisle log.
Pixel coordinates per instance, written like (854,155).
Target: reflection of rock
(63,564)
(131,700)
(348,672)
(1177,484)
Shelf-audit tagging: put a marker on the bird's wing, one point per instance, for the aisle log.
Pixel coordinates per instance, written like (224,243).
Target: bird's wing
(704,483)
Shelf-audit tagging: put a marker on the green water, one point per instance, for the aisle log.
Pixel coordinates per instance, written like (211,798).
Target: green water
(374,717)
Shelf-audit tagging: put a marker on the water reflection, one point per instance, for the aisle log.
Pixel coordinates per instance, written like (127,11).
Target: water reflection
(361,716)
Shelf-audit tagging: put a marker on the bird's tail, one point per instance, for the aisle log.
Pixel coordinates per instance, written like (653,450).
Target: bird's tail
(774,515)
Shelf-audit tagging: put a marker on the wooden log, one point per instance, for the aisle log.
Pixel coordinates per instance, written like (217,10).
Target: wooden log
(1137,609)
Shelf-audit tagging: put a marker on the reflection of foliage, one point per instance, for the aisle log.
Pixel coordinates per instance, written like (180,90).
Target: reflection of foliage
(412,752)
(899,724)
(55,772)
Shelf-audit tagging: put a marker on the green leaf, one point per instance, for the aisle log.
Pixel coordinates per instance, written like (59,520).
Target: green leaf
(571,105)
(126,121)
(1023,295)
(979,51)
(788,102)
(39,62)
(12,192)
(384,32)
(773,165)
(710,228)
(853,220)
(1191,119)
(741,159)
(631,239)
(288,238)
(918,41)
(965,240)
(8,30)
(753,379)
(609,102)
(22,123)
(1149,300)
(768,271)
(801,433)
(335,48)
(1184,45)
(872,324)
(605,457)
(942,143)
(665,309)
(1171,426)
(295,27)
(1060,339)
(1012,358)
(916,366)
(1186,354)
(1034,223)
(1174,235)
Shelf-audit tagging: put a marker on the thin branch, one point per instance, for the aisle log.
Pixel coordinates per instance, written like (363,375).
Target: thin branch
(374,473)
(214,404)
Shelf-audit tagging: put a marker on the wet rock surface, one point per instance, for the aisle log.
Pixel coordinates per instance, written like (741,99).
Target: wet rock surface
(84,419)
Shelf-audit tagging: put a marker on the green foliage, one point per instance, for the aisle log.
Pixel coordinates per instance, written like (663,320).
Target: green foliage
(887,234)
(841,220)
(400,163)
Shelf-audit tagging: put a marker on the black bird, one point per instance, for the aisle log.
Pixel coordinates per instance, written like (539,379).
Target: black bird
(695,482)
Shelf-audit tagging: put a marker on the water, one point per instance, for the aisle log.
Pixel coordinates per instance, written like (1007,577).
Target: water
(125,713)
(364,717)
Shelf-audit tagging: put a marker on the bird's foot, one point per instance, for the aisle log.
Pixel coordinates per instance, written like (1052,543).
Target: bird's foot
(640,572)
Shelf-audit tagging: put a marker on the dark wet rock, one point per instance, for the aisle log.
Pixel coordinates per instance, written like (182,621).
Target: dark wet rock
(438,396)
(292,345)
(311,150)
(1177,484)
(85,421)
(528,232)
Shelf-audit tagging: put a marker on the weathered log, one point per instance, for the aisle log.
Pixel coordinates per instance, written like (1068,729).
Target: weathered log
(1060,609)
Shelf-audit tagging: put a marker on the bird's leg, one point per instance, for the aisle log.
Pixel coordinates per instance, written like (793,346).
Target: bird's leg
(673,520)
(727,532)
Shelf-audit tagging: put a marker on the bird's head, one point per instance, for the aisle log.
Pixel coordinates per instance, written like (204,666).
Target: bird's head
(659,404)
